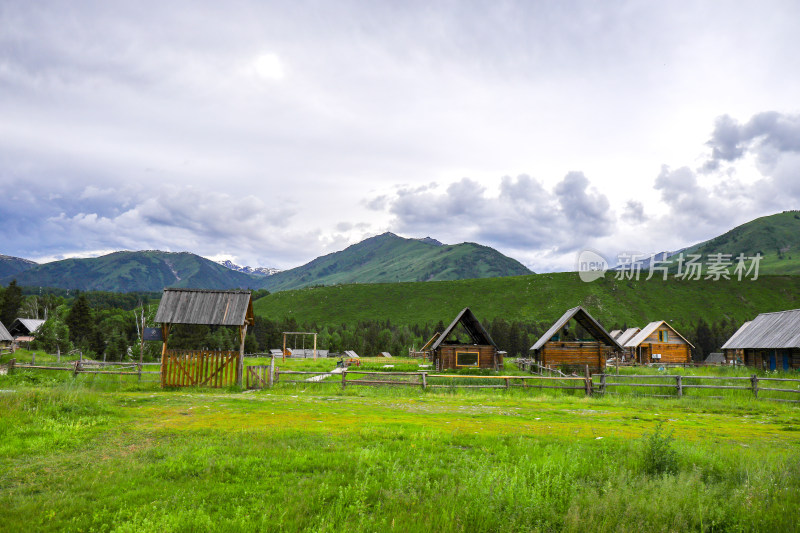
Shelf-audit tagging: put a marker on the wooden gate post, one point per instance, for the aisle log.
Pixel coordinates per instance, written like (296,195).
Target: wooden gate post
(271,371)
(424,380)
(679,384)
(588,380)
(344,376)
(603,383)
(754,382)
(240,362)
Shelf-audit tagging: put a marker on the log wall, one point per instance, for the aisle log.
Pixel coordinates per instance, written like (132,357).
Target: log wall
(577,354)
(761,358)
(670,353)
(445,356)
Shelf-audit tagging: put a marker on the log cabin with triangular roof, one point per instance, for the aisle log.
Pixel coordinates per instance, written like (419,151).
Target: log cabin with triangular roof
(658,342)
(575,348)
(465,343)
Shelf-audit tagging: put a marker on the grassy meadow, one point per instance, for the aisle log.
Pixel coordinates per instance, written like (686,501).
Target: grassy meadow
(106,453)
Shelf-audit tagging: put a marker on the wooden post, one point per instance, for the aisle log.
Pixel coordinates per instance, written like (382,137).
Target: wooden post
(283,353)
(344,377)
(424,380)
(240,362)
(11,365)
(271,371)
(58,352)
(588,379)
(507,382)
(165,336)
(315,346)
(77,368)
(603,383)
(679,378)
(754,381)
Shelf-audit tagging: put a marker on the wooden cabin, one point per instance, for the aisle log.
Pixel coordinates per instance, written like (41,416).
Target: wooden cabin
(770,341)
(559,347)
(658,342)
(452,350)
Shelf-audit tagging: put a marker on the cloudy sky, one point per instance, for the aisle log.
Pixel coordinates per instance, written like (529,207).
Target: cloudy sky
(273,132)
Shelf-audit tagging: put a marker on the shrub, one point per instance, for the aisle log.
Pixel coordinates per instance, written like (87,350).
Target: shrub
(658,456)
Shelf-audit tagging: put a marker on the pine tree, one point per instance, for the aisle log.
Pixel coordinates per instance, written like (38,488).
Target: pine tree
(79,321)
(12,301)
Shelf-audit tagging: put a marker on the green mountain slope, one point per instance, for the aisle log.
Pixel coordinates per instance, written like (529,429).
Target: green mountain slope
(538,297)
(136,271)
(775,237)
(10,266)
(389,258)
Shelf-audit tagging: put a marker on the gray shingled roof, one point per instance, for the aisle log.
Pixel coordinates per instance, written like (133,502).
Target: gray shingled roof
(586,320)
(627,335)
(213,308)
(5,336)
(29,326)
(474,329)
(715,358)
(648,330)
(735,337)
(768,330)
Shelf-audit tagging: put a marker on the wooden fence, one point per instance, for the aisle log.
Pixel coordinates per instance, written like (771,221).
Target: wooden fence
(752,384)
(261,376)
(198,368)
(87,366)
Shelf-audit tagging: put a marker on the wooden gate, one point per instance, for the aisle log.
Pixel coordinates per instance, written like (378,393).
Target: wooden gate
(258,377)
(198,368)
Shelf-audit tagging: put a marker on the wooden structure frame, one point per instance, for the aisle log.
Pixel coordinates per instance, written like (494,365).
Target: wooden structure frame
(425,351)
(550,350)
(482,353)
(658,342)
(770,341)
(209,308)
(285,333)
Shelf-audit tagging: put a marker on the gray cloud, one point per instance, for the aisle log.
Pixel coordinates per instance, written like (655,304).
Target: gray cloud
(766,134)
(633,213)
(524,217)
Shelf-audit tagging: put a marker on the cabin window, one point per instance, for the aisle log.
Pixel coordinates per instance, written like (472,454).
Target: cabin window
(663,335)
(467,358)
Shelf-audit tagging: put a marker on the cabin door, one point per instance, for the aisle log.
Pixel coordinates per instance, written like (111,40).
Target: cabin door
(772,360)
(785,359)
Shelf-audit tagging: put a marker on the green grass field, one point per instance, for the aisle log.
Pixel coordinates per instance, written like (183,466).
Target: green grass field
(104,453)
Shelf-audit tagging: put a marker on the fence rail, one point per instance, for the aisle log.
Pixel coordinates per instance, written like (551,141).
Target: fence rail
(268,375)
(680,386)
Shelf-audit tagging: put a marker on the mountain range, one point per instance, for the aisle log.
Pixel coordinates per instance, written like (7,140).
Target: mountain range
(385,258)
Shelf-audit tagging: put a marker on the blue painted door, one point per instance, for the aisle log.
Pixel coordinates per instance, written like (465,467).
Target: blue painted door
(772,360)
(785,359)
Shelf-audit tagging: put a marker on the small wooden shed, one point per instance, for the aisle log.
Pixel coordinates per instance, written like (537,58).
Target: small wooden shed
(658,342)
(210,308)
(552,349)
(770,341)
(480,352)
